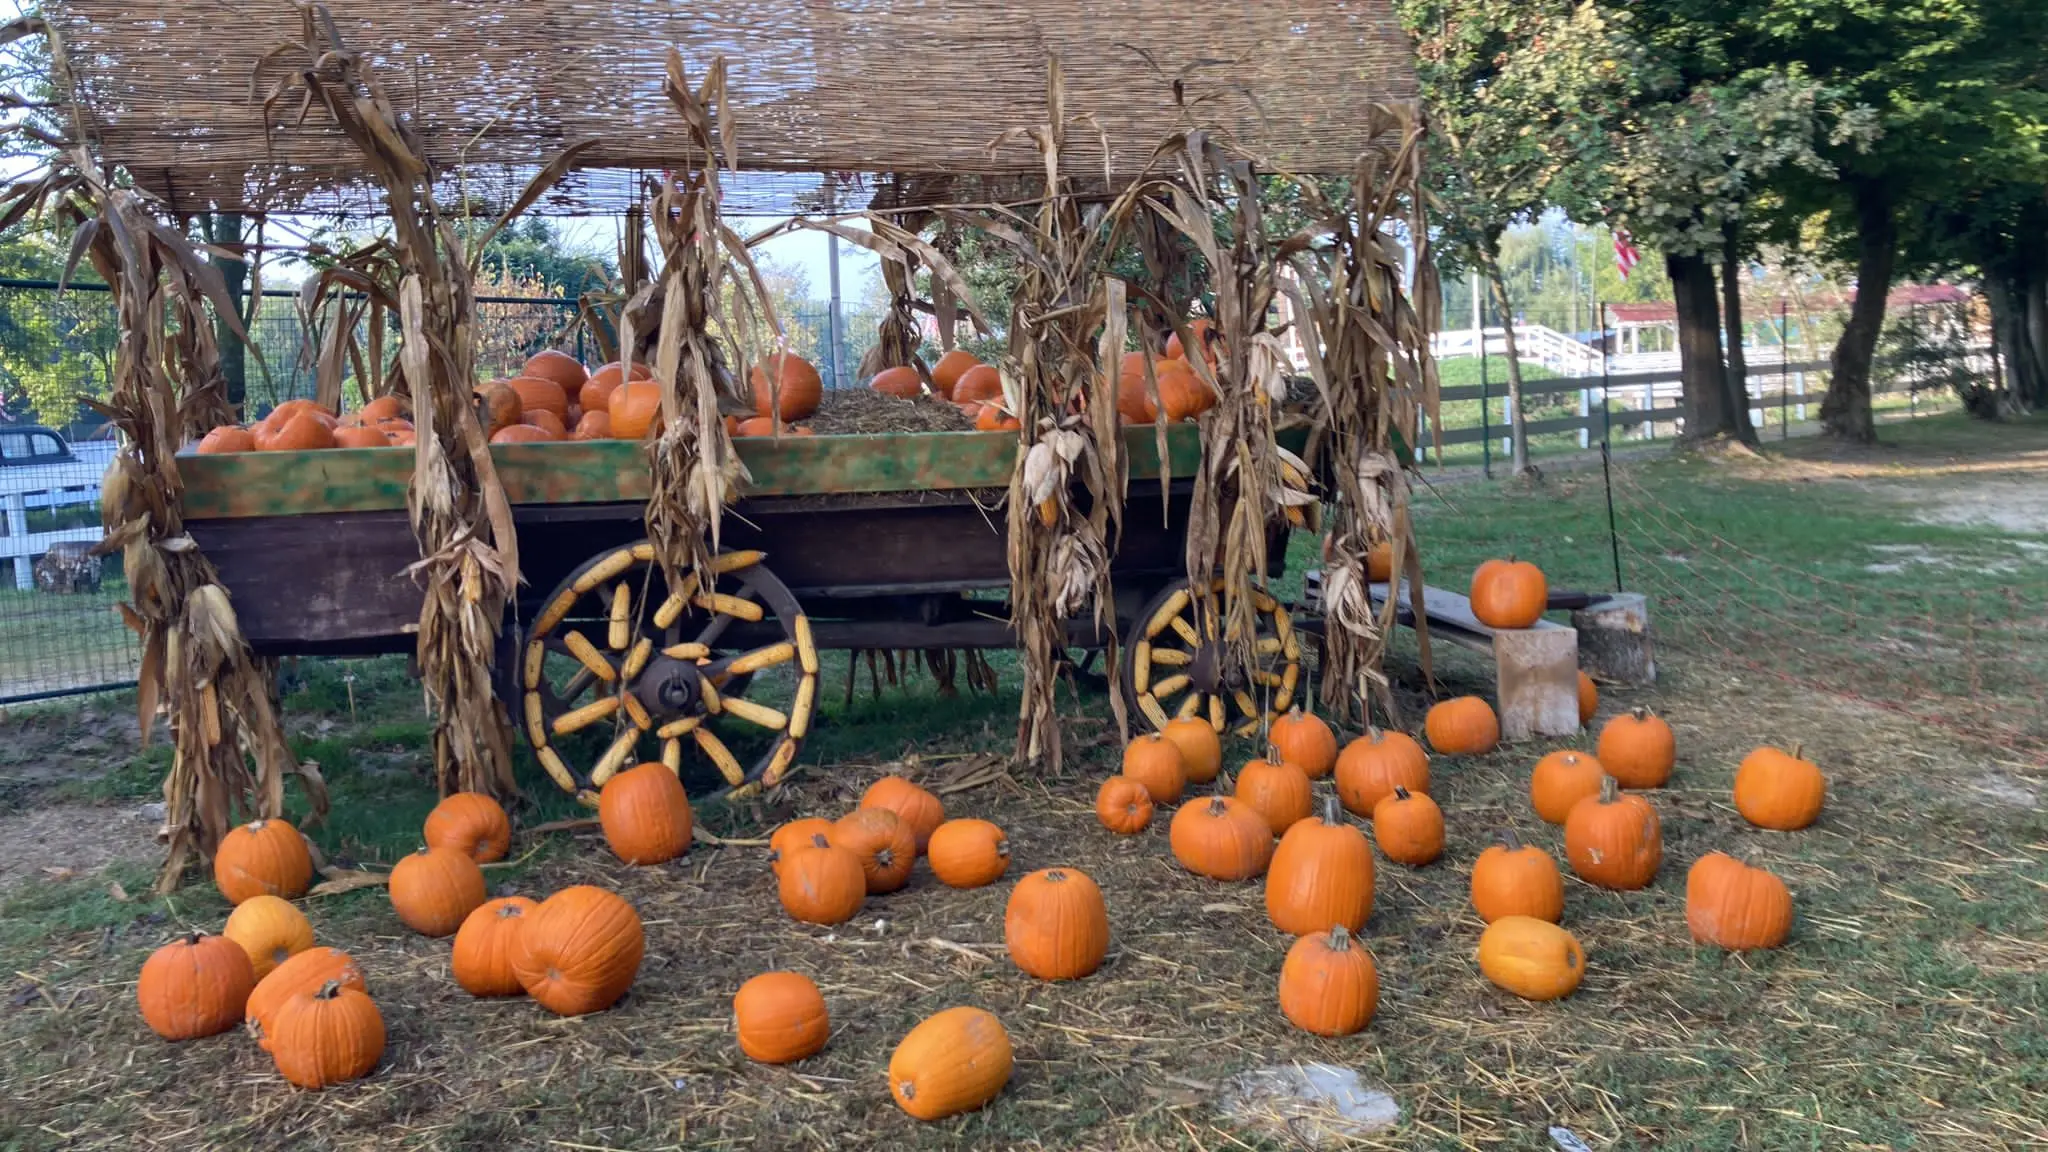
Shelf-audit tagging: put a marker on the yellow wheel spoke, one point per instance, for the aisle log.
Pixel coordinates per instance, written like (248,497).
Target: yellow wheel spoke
(621,619)
(721,756)
(1171,685)
(636,713)
(604,570)
(760,658)
(1189,706)
(585,716)
(683,727)
(1141,667)
(759,715)
(687,651)
(636,659)
(1187,632)
(587,655)
(1169,611)
(732,606)
(734,561)
(778,766)
(1172,657)
(615,757)
(672,755)
(1149,705)
(800,712)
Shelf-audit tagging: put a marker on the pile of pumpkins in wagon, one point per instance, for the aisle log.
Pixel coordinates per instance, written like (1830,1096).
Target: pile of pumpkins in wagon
(579,950)
(556,397)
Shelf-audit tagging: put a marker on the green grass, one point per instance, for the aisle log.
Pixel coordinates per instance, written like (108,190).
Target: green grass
(1907,1011)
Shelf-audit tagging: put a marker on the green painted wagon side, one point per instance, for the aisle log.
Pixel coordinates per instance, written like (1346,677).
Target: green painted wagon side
(240,485)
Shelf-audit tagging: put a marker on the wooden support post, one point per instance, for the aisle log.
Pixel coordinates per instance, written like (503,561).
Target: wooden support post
(1537,674)
(1614,639)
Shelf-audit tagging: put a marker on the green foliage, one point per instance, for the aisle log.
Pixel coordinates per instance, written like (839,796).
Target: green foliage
(53,349)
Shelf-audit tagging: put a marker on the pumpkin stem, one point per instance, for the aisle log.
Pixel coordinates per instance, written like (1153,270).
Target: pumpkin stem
(1797,748)
(194,937)
(1640,713)
(1373,733)
(1216,806)
(1330,816)
(328,991)
(1055,876)
(1400,793)
(1510,840)
(1340,939)
(1610,789)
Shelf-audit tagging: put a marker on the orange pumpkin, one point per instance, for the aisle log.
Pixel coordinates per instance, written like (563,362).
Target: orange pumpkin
(538,395)
(1221,838)
(227,438)
(1516,879)
(547,422)
(968,853)
(1614,840)
(263,856)
(900,381)
(1204,332)
(1056,925)
(521,434)
(1509,593)
(635,409)
(797,381)
(596,393)
(271,930)
(1369,768)
(953,1062)
(1379,562)
(1638,749)
(780,1018)
(1182,394)
(1737,907)
(353,437)
(645,815)
(916,807)
(1532,958)
(1305,742)
(381,409)
(1779,791)
(794,835)
(758,426)
(1133,400)
(1277,791)
(327,1037)
(1464,726)
(992,418)
(1562,779)
(1201,751)
(483,946)
(553,364)
(435,889)
(309,971)
(1409,827)
(885,846)
(1329,984)
(980,383)
(497,407)
(579,951)
(594,426)
(1154,761)
(194,986)
(947,372)
(821,884)
(471,823)
(304,432)
(1589,699)
(1321,876)
(1123,806)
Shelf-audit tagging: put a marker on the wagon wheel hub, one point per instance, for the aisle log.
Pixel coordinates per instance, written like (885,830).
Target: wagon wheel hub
(1177,666)
(671,688)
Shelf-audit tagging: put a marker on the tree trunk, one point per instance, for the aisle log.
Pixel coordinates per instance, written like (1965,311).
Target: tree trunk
(1737,376)
(1518,434)
(1845,413)
(2012,292)
(2034,328)
(224,229)
(1702,377)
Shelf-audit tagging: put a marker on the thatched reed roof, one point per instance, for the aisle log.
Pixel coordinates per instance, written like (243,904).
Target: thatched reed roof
(842,88)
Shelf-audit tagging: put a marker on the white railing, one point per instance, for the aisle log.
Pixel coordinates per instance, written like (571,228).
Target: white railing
(71,482)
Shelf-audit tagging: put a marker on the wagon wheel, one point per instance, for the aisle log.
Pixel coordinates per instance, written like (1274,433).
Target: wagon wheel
(618,664)
(1176,666)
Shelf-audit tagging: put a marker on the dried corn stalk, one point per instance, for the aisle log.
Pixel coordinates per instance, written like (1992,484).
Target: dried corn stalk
(1368,351)
(469,561)
(167,388)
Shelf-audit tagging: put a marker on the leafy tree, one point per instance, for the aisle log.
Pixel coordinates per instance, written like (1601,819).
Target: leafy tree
(53,349)
(1517,91)
(531,251)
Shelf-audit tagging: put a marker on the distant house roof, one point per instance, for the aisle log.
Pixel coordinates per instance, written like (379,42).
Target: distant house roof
(1903,296)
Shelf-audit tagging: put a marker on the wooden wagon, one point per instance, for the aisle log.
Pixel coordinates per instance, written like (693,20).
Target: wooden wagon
(893,542)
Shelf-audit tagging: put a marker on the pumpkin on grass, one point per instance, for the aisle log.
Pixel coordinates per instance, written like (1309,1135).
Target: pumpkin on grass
(1409,827)
(1589,699)
(1509,593)
(955,1061)
(918,808)
(1462,726)
(645,815)
(1221,838)
(1371,766)
(1779,791)
(1562,779)
(793,835)
(1532,958)
(435,889)
(968,853)
(1123,806)
(1201,751)
(262,857)
(1516,879)
(1329,984)
(471,823)
(1321,876)
(194,986)
(1055,924)
(327,1037)
(271,930)
(780,1018)
(1637,749)
(822,884)
(1614,840)
(579,951)
(308,971)
(1304,741)
(1277,790)
(883,843)
(483,946)
(1737,907)
(1155,762)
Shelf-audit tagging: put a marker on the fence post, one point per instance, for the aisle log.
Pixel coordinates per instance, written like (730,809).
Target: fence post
(1585,414)
(1485,431)
(16,506)
(1784,367)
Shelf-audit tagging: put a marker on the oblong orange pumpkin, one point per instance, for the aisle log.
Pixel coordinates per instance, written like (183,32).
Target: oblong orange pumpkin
(579,951)
(1732,905)
(1056,925)
(645,815)
(1532,958)
(435,889)
(901,381)
(483,946)
(1321,877)
(262,857)
(309,971)
(955,1061)
(471,823)
(1370,767)
(270,929)
(918,808)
